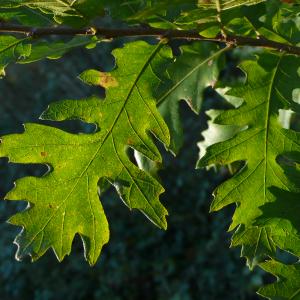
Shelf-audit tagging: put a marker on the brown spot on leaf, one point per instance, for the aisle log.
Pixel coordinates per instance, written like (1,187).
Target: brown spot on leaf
(106,80)
(130,142)
(44,154)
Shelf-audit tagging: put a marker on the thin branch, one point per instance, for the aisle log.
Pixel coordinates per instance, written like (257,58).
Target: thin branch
(147,32)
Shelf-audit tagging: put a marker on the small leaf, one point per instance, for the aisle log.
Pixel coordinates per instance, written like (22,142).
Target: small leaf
(12,50)
(54,50)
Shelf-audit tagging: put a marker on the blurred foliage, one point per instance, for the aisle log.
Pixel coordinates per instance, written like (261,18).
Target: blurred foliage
(191,260)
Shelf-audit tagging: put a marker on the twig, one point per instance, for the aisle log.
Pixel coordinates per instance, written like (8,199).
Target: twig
(37,32)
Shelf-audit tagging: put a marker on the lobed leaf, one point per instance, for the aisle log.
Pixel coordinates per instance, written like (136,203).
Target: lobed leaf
(197,68)
(270,85)
(287,286)
(65,201)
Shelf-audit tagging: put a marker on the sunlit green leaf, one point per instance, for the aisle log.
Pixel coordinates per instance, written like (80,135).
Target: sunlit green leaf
(287,286)
(66,11)
(12,50)
(65,201)
(270,84)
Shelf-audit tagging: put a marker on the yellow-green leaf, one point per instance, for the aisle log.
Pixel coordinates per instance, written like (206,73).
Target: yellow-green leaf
(65,201)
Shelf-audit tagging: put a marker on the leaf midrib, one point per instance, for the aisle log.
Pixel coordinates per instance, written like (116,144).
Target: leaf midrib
(52,51)
(124,104)
(294,294)
(267,125)
(13,45)
(175,86)
(99,148)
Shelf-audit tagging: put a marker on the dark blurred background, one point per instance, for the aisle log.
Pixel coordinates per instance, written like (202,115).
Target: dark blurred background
(191,260)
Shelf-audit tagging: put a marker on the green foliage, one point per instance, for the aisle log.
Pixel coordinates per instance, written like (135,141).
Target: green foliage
(136,246)
(11,49)
(142,104)
(271,80)
(78,13)
(79,161)
(287,286)
(198,65)
(24,51)
(54,50)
